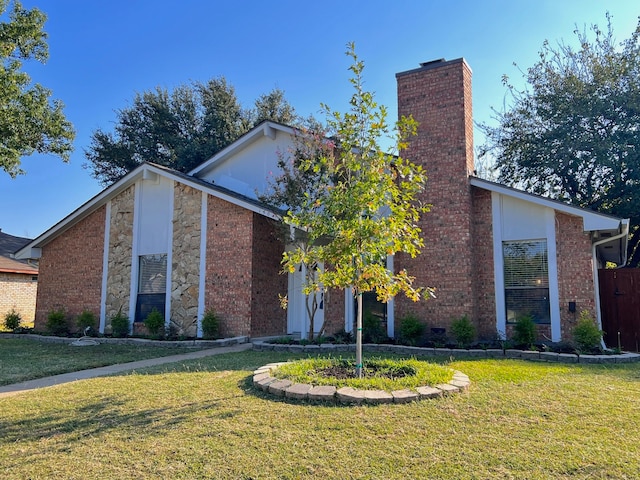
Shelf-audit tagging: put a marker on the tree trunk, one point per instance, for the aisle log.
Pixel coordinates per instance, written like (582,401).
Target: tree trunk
(359,338)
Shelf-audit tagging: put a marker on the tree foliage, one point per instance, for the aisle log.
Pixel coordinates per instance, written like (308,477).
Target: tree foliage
(361,204)
(573,133)
(180,128)
(29,122)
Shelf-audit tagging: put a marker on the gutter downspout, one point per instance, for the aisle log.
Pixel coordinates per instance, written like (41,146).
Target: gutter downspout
(596,281)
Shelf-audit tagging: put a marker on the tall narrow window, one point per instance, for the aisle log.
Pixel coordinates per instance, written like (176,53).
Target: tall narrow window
(526,280)
(152,284)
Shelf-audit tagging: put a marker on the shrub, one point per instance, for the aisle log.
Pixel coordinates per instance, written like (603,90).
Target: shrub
(342,336)
(411,330)
(12,320)
(210,325)
(586,333)
(57,322)
(86,320)
(154,323)
(119,325)
(372,330)
(524,331)
(463,331)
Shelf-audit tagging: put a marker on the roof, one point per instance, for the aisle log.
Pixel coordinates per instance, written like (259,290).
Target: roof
(146,170)
(9,265)
(9,244)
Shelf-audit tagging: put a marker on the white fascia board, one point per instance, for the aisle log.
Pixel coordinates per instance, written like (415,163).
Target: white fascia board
(592,220)
(144,171)
(266,129)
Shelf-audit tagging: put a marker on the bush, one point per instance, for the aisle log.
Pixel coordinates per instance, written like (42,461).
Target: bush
(12,320)
(411,330)
(210,325)
(343,337)
(119,325)
(372,330)
(154,323)
(57,323)
(524,331)
(463,331)
(586,333)
(86,320)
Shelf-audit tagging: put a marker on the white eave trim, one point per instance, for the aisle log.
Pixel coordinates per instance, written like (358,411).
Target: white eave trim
(592,221)
(265,129)
(144,171)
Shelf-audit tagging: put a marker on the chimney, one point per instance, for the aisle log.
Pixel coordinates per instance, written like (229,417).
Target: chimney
(438,96)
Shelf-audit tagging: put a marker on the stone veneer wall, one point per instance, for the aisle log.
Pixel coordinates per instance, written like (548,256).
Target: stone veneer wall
(575,271)
(228,265)
(120,250)
(18,292)
(267,315)
(70,270)
(483,265)
(187,210)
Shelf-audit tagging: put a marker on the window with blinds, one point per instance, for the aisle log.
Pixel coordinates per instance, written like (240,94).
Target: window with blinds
(526,280)
(152,284)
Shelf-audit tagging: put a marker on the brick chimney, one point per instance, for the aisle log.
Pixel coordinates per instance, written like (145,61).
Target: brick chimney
(438,95)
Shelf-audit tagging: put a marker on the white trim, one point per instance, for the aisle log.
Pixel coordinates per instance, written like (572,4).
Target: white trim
(592,220)
(390,304)
(169,284)
(31,250)
(554,290)
(203,262)
(498,265)
(349,311)
(135,264)
(268,129)
(105,268)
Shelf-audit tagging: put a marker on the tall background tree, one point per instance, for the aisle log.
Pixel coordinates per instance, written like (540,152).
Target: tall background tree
(29,121)
(573,133)
(179,128)
(363,204)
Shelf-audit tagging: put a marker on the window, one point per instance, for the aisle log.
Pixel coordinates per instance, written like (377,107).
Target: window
(152,284)
(526,280)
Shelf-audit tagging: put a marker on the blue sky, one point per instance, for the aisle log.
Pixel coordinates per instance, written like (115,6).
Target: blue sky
(102,52)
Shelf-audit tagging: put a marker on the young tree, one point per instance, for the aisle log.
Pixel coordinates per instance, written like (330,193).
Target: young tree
(289,190)
(573,133)
(363,205)
(179,129)
(29,123)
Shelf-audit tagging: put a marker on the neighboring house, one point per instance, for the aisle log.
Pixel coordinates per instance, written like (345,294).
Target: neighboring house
(18,279)
(186,243)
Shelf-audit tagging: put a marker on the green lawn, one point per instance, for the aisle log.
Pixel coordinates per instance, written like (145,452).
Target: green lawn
(23,359)
(201,419)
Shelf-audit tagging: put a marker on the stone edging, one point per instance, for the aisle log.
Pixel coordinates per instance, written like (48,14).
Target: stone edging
(625,357)
(223,342)
(263,380)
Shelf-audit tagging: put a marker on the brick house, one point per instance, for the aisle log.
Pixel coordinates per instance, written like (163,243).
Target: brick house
(185,243)
(18,279)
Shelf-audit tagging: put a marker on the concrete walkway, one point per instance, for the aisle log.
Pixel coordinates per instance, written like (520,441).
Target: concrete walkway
(17,388)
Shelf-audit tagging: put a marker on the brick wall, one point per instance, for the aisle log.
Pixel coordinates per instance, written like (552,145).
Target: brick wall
(333,311)
(70,271)
(18,292)
(575,271)
(228,266)
(439,98)
(267,315)
(483,264)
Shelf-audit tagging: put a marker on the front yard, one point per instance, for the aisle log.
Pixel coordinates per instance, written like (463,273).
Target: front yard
(202,420)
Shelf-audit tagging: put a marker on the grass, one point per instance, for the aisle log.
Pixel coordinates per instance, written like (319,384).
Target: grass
(201,419)
(385,374)
(23,359)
